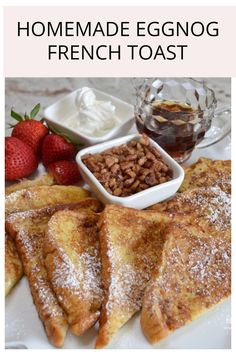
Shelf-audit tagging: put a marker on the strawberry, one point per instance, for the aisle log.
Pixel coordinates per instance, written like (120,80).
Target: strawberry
(56,148)
(30,131)
(20,159)
(64,172)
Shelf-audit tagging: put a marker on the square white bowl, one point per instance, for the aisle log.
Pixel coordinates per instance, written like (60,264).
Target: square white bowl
(65,107)
(138,200)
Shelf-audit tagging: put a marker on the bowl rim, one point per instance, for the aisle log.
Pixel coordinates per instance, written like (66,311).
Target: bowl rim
(92,138)
(122,140)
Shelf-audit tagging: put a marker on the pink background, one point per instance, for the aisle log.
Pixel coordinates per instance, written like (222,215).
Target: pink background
(206,56)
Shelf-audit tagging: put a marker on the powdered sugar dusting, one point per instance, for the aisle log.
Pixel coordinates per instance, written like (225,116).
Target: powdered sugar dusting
(195,275)
(83,279)
(72,257)
(44,298)
(30,232)
(212,204)
(126,288)
(131,262)
(209,263)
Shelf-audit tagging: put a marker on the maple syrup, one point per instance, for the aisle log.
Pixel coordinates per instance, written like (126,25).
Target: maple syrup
(176,126)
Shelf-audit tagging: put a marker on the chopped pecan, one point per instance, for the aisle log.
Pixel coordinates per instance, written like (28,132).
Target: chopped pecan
(128,182)
(132,143)
(151,179)
(139,147)
(144,172)
(131,173)
(117,192)
(131,157)
(92,165)
(154,151)
(148,164)
(144,140)
(142,161)
(140,154)
(126,165)
(112,182)
(150,156)
(110,161)
(135,185)
(115,168)
(144,186)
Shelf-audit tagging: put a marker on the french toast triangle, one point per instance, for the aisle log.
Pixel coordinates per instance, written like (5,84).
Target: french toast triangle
(131,244)
(194,276)
(195,272)
(207,173)
(39,196)
(28,229)
(72,260)
(13,265)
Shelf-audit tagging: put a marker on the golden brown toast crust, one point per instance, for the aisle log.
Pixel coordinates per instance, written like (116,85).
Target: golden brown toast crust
(195,275)
(131,243)
(28,229)
(29,234)
(44,180)
(13,265)
(41,196)
(208,173)
(72,260)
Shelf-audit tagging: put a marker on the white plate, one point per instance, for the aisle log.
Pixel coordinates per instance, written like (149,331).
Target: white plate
(212,330)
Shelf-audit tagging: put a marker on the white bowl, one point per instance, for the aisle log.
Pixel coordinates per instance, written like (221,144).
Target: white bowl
(65,107)
(138,200)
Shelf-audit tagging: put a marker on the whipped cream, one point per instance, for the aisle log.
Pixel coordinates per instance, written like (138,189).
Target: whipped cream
(93,117)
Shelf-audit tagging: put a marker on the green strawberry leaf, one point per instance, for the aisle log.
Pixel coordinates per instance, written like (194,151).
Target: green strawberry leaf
(26,117)
(35,111)
(16,116)
(64,135)
(53,130)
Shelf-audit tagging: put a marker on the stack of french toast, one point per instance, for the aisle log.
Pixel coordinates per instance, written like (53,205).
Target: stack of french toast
(86,262)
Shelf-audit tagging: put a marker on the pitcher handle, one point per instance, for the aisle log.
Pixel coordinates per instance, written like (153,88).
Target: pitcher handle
(220,127)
